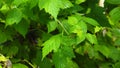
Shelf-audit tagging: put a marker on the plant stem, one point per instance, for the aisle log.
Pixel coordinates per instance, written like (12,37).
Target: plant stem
(63,27)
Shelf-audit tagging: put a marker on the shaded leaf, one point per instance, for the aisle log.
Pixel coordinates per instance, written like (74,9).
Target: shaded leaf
(22,27)
(103,49)
(62,58)
(33,3)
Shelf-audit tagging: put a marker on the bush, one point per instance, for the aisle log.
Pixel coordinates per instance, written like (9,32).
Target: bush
(59,34)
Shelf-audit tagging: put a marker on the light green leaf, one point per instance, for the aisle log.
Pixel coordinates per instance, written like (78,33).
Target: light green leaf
(22,27)
(4,8)
(19,65)
(3,58)
(51,26)
(52,44)
(72,20)
(53,6)
(50,6)
(79,1)
(14,16)
(91,38)
(113,1)
(65,4)
(0,66)
(90,21)
(80,29)
(97,29)
(115,15)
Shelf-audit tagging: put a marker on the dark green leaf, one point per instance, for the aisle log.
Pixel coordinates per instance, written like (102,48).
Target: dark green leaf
(22,27)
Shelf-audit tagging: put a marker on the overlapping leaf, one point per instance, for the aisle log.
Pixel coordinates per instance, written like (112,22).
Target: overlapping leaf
(53,6)
(13,16)
(51,26)
(52,44)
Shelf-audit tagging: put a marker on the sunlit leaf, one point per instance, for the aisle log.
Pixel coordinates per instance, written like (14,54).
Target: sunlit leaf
(52,44)
(51,26)
(91,38)
(53,6)
(14,16)
(79,1)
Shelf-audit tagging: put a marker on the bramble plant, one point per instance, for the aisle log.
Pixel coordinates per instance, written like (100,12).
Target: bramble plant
(59,34)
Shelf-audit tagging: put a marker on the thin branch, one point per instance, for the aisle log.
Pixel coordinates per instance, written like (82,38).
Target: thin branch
(63,27)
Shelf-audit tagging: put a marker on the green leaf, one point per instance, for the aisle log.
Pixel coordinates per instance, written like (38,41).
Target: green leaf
(103,49)
(4,9)
(52,25)
(79,1)
(53,6)
(117,65)
(90,21)
(3,58)
(33,3)
(114,53)
(72,20)
(14,16)
(117,42)
(18,2)
(115,15)
(65,4)
(10,50)
(22,27)
(0,66)
(113,1)
(3,37)
(80,29)
(19,65)
(91,38)
(62,58)
(44,63)
(52,44)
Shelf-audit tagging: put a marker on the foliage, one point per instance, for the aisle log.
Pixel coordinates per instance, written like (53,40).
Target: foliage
(59,34)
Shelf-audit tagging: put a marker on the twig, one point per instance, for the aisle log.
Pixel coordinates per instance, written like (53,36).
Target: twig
(63,27)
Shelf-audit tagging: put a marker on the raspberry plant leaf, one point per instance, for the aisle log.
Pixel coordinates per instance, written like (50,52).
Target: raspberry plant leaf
(14,16)
(51,45)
